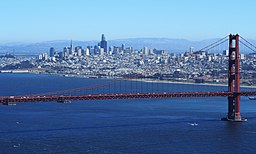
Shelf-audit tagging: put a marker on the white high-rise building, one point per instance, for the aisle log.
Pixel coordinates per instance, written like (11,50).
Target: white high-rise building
(145,50)
(101,51)
(79,52)
(86,52)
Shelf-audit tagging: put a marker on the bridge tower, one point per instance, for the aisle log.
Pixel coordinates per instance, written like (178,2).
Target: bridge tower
(234,80)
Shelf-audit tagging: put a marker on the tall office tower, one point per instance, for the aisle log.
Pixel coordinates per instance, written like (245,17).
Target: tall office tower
(91,50)
(71,45)
(71,49)
(145,50)
(66,51)
(123,47)
(104,43)
(52,52)
(86,52)
(78,51)
(96,50)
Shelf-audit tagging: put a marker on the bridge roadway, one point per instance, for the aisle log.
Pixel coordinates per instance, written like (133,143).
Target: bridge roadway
(7,100)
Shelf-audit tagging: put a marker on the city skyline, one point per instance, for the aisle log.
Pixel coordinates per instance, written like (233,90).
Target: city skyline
(35,21)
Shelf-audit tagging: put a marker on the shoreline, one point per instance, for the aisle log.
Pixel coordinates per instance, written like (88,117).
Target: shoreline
(112,78)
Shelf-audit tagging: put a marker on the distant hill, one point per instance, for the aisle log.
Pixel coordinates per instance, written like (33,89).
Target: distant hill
(172,45)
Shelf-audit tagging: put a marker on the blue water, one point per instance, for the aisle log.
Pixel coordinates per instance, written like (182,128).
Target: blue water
(119,126)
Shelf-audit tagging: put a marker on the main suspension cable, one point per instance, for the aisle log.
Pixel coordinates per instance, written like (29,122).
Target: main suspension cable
(214,44)
(254,50)
(248,43)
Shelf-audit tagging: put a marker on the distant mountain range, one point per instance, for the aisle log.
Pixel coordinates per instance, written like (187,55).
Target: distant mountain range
(172,45)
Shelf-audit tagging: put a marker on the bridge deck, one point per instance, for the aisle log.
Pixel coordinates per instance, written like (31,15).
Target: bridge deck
(48,98)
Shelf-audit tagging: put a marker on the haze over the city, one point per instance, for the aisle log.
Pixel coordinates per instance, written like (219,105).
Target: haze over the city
(36,20)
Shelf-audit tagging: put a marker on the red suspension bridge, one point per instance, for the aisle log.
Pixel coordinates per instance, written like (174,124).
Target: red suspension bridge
(233,92)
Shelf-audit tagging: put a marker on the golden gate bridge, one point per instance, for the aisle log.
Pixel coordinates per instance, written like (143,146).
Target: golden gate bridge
(96,92)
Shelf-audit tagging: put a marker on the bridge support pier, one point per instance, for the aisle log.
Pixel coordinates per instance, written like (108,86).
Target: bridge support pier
(234,80)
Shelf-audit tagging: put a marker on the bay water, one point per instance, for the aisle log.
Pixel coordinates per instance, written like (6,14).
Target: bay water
(173,125)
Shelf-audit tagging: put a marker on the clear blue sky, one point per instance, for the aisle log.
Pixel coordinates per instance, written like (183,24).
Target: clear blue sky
(42,20)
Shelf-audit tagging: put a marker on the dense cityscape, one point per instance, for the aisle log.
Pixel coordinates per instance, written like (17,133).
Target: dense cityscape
(127,77)
(99,61)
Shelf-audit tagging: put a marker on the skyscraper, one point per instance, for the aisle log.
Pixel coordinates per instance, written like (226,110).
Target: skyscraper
(104,43)
(123,47)
(145,50)
(71,45)
(52,52)
(78,51)
(71,50)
